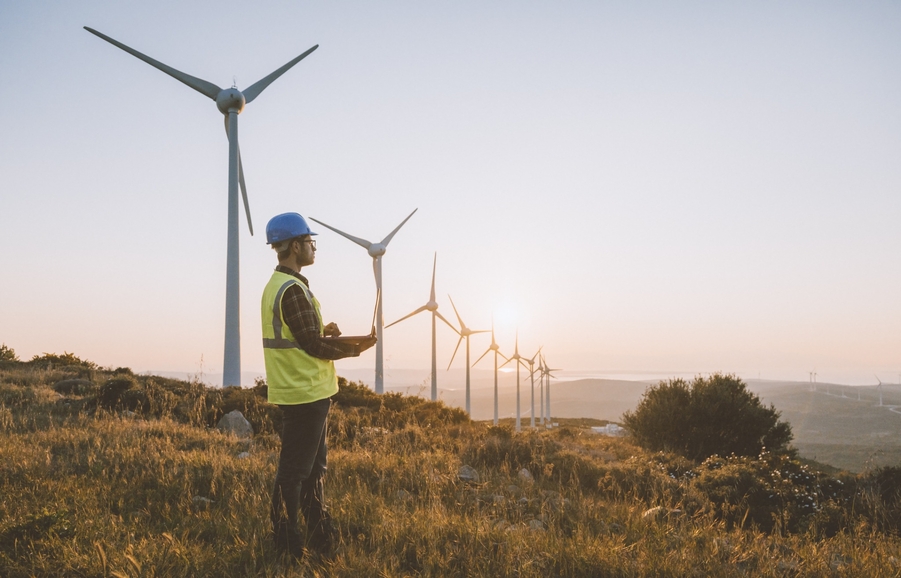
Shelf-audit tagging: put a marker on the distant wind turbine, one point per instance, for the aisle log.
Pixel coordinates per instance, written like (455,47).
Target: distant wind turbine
(431,306)
(517,358)
(376,250)
(230,102)
(547,375)
(531,362)
(879,387)
(493,347)
(464,333)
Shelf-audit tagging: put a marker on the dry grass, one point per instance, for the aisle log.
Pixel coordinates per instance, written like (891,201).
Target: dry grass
(94,492)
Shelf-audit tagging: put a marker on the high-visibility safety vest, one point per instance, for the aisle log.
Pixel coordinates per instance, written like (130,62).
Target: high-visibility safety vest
(293,375)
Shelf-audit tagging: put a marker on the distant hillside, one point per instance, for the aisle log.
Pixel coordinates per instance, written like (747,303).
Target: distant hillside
(830,424)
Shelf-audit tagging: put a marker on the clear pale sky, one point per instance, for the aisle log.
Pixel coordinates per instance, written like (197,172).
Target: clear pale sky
(653,186)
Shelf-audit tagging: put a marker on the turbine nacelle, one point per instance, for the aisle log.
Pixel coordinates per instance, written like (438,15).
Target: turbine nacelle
(377,250)
(230,99)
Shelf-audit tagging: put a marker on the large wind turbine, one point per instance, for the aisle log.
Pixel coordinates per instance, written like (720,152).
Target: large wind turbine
(464,333)
(376,250)
(493,347)
(518,359)
(230,102)
(432,306)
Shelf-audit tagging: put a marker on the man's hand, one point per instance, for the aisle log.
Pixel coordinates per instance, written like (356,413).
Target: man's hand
(367,343)
(331,330)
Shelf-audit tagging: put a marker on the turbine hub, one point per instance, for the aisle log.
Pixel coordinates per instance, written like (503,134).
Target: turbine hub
(230,99)
(376,250)
(431,306)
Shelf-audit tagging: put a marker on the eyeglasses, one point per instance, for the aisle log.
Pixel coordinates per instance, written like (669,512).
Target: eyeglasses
(312,243)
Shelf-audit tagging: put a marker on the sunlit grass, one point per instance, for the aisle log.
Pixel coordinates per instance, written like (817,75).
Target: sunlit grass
(104,492)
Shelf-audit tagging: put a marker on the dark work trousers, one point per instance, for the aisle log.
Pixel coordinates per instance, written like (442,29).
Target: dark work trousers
(301,467)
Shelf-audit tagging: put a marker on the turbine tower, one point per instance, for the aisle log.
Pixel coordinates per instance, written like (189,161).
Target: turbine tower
(464,333)
(230,102)
(518,359)
(493,347)
(546,375)
(432,306)
(376,250)
(531,362)
(879,387)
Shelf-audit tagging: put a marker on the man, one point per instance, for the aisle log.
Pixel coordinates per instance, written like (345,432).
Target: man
(298,351)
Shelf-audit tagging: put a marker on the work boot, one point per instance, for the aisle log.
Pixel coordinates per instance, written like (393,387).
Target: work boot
(290,543)
(322,538)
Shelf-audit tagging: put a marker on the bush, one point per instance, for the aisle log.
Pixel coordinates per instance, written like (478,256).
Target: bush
(7,353)
(716,415)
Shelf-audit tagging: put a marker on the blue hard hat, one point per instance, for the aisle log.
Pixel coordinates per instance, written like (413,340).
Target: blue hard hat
(286,226)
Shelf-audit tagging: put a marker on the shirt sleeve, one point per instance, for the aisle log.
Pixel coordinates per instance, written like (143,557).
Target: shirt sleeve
(302,320)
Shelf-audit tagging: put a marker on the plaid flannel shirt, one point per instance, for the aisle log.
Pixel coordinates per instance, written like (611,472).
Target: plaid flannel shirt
(302,320)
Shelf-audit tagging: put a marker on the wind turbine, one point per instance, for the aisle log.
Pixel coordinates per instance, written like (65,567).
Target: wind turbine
(432,306)
(376,250)
(531,362)
(879,387)
(518,359)
(493,347)
(230,102)
(546,374)
(464,333)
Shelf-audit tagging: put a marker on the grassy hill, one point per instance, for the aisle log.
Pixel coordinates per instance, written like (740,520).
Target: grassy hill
(123,475)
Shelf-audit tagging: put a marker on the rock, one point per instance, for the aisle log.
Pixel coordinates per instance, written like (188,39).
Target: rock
(202,503)
(468,474)
(525,475)
(243,455)
(234,422)
(653,513)
(74,386)
(404,495)
(536,525)
(513,489)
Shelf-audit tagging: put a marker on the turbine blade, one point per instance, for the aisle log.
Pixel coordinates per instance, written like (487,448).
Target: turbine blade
(244,191)
(455,351)
(481,356)
(460,319)
(441,317)
(202,86)
(259,86)
(361,242)
(420,310)
(241,181)
(390,236)
(434,264)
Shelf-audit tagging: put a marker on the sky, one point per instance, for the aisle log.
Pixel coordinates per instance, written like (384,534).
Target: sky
(633,186)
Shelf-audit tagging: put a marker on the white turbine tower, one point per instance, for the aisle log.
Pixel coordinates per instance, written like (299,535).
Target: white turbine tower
(464,333)
(518,359)
(230,102)
(493,347)
(546,375)
(431,306)
(531,362)
(879,387)
(376,250)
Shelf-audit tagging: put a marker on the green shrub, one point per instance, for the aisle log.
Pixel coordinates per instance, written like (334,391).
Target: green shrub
(716,415)
(7,353)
